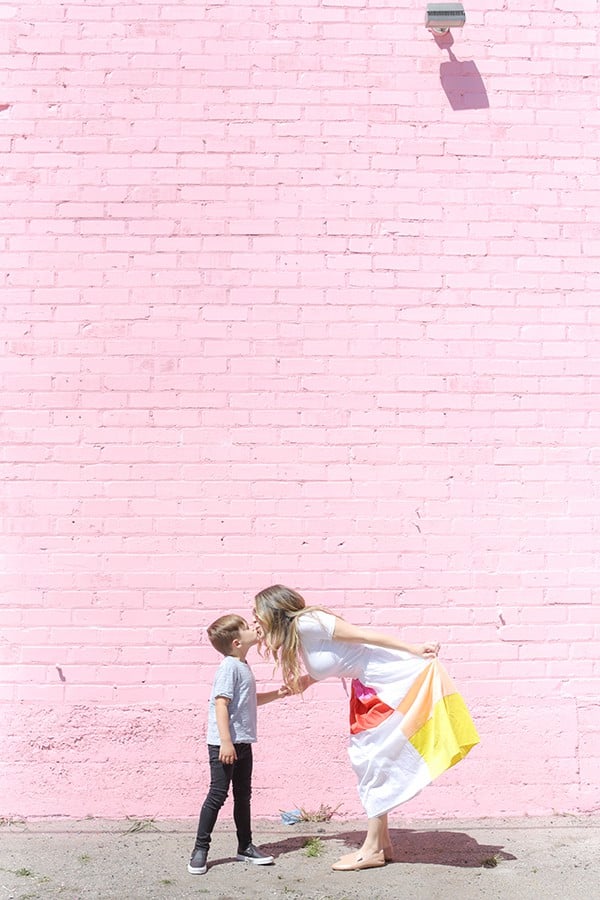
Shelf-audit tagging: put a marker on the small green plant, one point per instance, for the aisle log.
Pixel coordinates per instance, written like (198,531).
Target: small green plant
(24,872)
(140,825)
(313,846)
(490,862)
(323,814)
(166,881)
(84,857)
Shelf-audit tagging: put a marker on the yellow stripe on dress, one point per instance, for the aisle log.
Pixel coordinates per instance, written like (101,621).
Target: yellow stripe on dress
(436,720)
(447,736)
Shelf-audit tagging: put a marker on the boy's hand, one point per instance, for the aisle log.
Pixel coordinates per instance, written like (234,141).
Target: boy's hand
(227,754)
(283,691)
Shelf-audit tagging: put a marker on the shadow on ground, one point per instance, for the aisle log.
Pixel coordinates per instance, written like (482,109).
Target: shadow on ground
(443,848)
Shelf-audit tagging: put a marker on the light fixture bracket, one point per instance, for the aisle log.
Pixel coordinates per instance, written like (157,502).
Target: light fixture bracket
(441,17)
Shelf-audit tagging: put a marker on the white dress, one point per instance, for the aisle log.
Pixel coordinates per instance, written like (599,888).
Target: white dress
(408,724)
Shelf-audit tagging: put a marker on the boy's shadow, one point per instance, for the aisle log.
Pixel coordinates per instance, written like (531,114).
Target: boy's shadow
(442,848)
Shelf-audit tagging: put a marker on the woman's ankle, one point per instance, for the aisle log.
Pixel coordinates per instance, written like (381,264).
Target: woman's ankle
(370,850)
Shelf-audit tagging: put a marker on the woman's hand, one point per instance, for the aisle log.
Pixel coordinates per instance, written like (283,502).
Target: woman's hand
(428,650)
(304,682)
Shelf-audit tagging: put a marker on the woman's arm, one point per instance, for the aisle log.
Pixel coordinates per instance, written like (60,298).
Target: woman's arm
(355,634)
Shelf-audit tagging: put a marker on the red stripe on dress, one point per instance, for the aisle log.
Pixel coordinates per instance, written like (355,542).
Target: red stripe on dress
(366,709)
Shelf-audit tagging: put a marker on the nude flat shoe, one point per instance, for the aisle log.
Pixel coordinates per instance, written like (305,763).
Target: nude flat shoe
(388,855)
(347,858)
(354,862)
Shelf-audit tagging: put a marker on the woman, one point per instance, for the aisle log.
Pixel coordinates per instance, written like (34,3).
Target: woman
(407,722)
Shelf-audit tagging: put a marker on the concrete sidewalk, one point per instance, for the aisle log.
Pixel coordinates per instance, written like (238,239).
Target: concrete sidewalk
(520,859)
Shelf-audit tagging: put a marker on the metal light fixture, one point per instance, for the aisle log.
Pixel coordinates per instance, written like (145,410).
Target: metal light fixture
(441,17)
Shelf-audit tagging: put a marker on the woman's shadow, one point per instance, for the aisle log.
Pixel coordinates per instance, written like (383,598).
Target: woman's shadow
(442,848)
(461,81)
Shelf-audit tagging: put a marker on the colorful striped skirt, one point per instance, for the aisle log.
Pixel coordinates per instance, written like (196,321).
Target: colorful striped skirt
(396,751)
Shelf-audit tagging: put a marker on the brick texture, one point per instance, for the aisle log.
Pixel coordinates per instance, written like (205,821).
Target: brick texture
(293,291)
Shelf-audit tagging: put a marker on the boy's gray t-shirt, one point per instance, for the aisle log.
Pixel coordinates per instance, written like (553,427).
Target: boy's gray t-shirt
(234,680)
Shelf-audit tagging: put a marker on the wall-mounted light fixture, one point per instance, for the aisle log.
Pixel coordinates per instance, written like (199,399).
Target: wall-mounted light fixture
(440,17)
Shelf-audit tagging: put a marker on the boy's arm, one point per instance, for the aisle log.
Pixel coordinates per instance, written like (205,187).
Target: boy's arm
(285,691)
(227,752)
(269,696)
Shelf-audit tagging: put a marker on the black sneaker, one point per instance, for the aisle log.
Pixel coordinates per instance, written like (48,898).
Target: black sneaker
(253,855)
(197,864)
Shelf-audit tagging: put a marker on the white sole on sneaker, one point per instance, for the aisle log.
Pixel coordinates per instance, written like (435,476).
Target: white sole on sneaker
(266,861)
(201,870)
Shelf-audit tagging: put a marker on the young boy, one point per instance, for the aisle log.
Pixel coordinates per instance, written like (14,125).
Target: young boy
(230,735)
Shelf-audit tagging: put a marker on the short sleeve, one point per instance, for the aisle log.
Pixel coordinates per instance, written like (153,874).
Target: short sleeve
(317,624)
(224,681)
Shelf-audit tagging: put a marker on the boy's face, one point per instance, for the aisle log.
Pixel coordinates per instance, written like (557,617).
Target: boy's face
(247,637)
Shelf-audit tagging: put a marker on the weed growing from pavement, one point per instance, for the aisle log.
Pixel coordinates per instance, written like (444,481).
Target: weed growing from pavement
(323,814)
(24,872)
(490,862)
(140,825)
(313,846)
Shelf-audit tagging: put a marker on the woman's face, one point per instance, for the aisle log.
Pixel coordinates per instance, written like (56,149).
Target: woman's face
(259,625)
(263,616)
(273,608)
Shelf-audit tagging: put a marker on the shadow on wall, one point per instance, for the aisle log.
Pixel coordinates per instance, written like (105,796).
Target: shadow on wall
(462,83)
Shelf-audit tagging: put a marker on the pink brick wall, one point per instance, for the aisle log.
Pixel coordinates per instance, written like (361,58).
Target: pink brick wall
(290,292)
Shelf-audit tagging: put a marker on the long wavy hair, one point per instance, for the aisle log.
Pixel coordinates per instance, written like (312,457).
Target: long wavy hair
(277,608)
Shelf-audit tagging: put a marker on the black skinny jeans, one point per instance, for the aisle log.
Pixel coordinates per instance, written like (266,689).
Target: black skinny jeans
(238,774)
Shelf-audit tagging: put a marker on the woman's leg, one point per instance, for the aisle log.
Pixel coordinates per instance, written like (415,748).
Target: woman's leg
(375,847)
(387,841)
(377,837)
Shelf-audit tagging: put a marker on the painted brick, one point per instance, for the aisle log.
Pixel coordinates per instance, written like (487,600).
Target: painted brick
(290,295)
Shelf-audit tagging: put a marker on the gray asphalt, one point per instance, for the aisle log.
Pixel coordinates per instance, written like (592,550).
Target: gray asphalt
(520,859)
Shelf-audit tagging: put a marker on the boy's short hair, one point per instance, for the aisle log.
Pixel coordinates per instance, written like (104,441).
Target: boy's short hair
(223,632)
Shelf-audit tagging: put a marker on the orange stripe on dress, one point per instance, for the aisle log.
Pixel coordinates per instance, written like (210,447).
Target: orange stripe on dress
(366,709)
(431,686)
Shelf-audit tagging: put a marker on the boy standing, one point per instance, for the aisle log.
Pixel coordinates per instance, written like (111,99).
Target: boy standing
(230,735)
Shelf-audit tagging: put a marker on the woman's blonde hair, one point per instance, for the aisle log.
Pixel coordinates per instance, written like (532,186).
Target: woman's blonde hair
(277,608)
